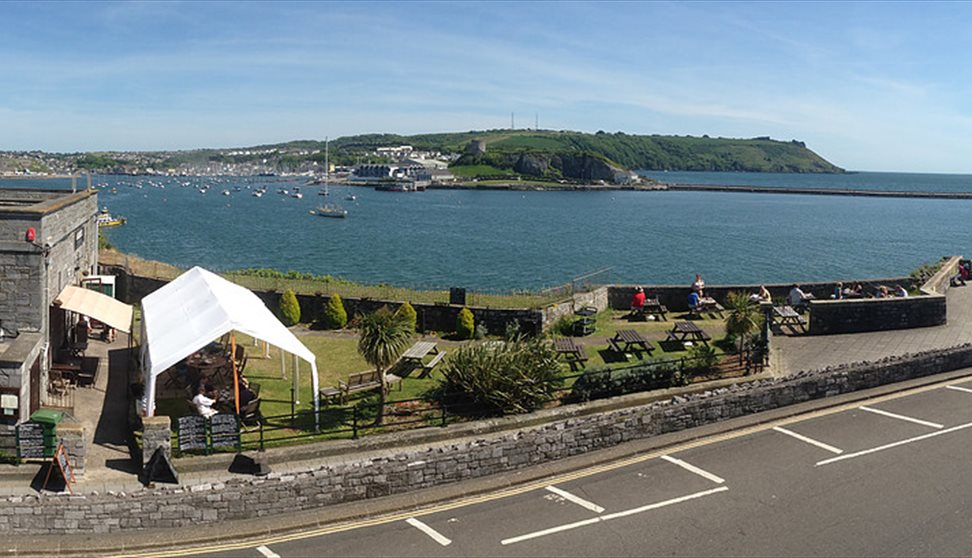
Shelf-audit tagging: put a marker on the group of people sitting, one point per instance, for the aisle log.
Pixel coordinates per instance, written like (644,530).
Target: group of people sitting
(857,291)
(207,398)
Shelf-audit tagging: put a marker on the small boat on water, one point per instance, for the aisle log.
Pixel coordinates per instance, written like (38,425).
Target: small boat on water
(105,219)
(331,210)
(296,193)
(226,192)
(351,197)
(258,194)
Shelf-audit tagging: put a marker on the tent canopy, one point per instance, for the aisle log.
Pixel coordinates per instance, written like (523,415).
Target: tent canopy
(96,305)
(197,307)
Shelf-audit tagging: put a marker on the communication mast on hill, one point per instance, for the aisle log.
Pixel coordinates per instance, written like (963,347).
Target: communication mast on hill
(536,121)
(512,122)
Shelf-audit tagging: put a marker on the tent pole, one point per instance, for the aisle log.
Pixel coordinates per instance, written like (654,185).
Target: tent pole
(283,366)
(296,369)
(236,373)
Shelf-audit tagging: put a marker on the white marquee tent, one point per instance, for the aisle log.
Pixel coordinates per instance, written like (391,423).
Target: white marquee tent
(198,307)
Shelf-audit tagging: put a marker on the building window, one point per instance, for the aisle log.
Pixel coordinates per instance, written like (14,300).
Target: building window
(78,237)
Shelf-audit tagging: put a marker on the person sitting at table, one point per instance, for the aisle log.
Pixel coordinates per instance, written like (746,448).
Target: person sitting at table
(797,298)
(762,295)
(638,300)
(694,301)
(900,291)
(205,400)
(838,291)
(882,292)
(698,286)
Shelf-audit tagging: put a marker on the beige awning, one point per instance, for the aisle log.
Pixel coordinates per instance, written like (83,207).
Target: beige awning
(96,305)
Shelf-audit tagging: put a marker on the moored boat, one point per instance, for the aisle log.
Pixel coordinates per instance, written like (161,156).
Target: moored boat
(105,219)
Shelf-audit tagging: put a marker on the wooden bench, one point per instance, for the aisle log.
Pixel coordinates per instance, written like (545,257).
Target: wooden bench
(357,382)
(428,367)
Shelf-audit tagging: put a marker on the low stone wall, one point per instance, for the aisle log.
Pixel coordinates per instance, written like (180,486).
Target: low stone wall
(675,297)
(598,298)
(567,431)
(876,314)
(939,283)
(430,317)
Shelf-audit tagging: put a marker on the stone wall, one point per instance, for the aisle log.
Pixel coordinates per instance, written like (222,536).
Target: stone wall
(430,317)
(876,314)
(469,453)
(939,283)
(675,297)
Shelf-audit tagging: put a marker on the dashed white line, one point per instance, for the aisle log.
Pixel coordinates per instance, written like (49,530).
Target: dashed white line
(957,388)
(901,417)
(808,440)
(576,499)
(432,533)
(267,552)
(895,444)
(694,469)
(611,516)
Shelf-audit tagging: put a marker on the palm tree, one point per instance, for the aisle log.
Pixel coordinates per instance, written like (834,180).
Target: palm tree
(744,318)
(384,335)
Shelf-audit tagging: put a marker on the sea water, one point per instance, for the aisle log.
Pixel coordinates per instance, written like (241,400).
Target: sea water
(505,240)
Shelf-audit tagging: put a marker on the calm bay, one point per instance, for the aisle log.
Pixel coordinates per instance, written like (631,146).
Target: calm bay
(512,240)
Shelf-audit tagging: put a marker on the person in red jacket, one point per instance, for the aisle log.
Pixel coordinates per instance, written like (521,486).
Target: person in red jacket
(638,300)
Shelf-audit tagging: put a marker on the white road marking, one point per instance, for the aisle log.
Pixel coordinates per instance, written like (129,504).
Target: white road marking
(957,388)
(811,441)
(611,516)
(267,552)
(576,499)
(895,444)
(694,469)
(435,535)
(901,417)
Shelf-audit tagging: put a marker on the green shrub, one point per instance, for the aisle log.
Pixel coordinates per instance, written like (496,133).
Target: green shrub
(599,384)
(289,308)
(334,315)
(516,377)
(407,312)
(481,332)
(701,359)
(563,326)
(465,324)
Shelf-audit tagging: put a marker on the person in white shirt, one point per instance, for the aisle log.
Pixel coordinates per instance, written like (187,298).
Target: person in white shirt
(204,403)
(698,285)
(797,298)
(900,291)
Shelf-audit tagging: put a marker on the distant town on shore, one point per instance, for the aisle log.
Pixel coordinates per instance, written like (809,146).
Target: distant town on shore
(477,156)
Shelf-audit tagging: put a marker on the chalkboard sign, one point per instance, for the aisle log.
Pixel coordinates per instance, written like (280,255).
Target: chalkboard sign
(30,440)
(62,464)
(160,468)
(192,433)
(224,430)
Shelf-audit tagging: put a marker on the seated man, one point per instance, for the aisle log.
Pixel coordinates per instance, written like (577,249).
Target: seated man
(694,301)
(638,300)
(204,401)
(797,298)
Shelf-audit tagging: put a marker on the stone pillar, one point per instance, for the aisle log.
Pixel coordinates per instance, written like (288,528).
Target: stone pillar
(157,433)
(71,436)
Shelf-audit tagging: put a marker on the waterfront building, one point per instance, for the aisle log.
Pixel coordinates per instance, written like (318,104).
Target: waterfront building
(48,240)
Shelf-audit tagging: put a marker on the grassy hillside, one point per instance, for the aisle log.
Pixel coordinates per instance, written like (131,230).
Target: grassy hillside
(632,151)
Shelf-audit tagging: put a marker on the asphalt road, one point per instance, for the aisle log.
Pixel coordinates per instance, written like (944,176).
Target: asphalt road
(889,479)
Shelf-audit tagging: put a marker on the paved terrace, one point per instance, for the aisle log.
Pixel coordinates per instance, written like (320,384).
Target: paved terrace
(792,354)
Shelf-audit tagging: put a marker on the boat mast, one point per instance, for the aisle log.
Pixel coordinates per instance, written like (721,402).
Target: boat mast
(327,165)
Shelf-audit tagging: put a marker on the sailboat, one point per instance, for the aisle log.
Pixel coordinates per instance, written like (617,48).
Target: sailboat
(329,209)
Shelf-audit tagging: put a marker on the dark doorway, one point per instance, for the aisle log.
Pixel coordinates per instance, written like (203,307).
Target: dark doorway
(35,383)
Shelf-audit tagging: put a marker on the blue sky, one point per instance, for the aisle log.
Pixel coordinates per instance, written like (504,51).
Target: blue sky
(869,86)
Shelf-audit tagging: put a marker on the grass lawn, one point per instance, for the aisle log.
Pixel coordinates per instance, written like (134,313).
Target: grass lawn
(337,357)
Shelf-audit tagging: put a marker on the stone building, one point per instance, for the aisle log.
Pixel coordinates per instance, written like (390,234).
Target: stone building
(48,240)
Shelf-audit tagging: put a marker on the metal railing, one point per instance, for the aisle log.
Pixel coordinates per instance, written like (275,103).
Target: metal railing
(358,419)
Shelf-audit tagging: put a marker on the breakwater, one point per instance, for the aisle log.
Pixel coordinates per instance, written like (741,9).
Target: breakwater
(814,191)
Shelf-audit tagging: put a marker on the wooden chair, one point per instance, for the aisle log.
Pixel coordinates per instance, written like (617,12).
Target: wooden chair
(250,415)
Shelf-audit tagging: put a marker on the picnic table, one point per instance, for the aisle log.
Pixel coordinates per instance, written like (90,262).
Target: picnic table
(788,316)
(631,340)
(651,307)
(416,354)
(706,306)
(573,353)
(687,330)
